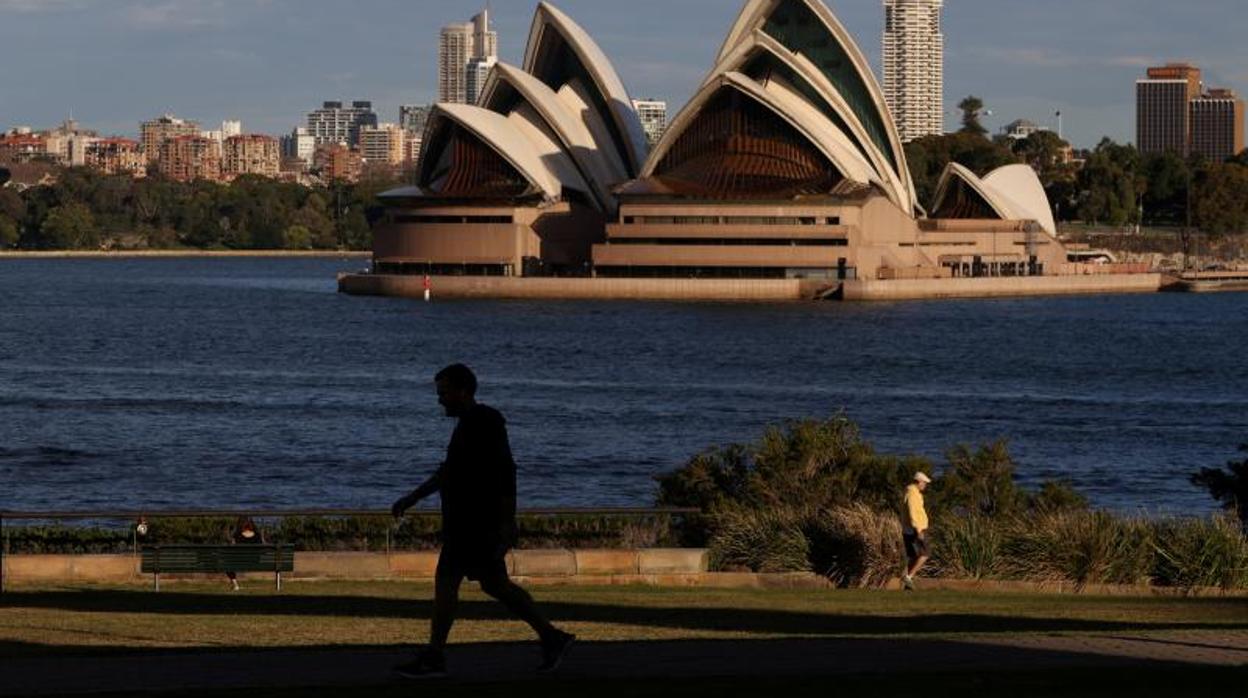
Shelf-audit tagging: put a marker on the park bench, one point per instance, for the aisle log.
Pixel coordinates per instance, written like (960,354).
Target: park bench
(217,559)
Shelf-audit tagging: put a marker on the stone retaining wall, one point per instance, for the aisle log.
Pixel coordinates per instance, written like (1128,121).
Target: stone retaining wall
(579,565)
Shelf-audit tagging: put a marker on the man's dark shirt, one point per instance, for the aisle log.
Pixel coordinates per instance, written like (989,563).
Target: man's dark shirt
(478,484)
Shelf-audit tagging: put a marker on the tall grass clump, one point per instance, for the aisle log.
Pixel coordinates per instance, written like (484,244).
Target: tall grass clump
(969,547)
(855,546)
(1195,553)
(759,541)
(1080,547)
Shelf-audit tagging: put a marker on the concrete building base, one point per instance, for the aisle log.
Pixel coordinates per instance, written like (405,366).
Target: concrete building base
(745,290)
(580,289)
(999,287)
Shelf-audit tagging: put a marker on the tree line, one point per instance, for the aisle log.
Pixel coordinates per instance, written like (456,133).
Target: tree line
(85,209)
(1115,185)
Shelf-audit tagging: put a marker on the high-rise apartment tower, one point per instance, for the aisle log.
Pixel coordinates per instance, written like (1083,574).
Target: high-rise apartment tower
(914,66)
(463,48)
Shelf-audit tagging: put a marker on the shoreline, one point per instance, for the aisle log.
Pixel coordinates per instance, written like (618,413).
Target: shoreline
(187,254)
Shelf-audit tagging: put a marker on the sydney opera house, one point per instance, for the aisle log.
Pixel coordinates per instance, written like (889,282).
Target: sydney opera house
(784,164)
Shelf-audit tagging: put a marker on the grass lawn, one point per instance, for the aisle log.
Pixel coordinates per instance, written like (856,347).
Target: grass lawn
(102,619)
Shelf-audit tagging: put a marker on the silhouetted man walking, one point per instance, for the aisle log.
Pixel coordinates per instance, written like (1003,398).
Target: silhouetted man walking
(478,487)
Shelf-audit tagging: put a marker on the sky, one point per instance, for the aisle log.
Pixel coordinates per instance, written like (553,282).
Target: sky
(114,63)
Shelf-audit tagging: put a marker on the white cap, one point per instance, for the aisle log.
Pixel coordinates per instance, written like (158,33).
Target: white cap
(923,478)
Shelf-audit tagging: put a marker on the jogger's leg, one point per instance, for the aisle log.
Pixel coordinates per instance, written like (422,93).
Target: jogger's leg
(519,602)
(445,601)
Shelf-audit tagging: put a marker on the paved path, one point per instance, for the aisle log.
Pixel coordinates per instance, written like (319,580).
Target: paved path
(171,671)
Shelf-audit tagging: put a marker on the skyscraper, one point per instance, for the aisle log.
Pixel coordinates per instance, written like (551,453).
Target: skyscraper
(1163,108)
(914,66)
(463,48)
(1217,125)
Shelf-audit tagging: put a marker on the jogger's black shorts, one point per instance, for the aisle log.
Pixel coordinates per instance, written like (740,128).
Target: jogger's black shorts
(915,547)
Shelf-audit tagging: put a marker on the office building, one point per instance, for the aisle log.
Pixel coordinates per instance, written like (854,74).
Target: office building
(154,133)
(1217,125)
(1163,108)
(653,115)
(475,73)
(335,122)
(914,73)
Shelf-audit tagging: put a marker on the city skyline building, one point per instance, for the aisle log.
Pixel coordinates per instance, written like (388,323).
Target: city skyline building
(335,122)
(476,72)
(1217,119)
(914,59)
(154,133)
(299,145)
(114,156)
(1163,108)
(413,117)
(251,154)
(653,115)
(383,144)
(189,158)
(464,48)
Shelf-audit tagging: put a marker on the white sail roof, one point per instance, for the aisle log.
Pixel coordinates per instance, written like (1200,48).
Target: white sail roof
(621,114)
(790,107)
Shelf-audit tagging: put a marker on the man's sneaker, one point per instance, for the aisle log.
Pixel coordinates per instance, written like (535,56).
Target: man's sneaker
(554,650)
(907,582)
(428,664)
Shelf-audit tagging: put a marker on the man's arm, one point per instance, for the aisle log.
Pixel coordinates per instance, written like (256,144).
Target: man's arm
(426,489)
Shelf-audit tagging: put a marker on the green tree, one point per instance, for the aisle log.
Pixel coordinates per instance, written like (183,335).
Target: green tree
(12,205)
(297,237)
(972,107)
(9,234)
(1165,199)
(979,482)
(70,226)
(1219,200)
(1109,187)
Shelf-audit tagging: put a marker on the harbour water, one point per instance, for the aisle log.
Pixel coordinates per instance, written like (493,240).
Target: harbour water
(223,383)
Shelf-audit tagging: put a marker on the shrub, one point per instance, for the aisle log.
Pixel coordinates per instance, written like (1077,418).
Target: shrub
(802,466)
(1079,547)
(978,482)
(1193,553)
(968,547)
(1055,496)
(1229,486)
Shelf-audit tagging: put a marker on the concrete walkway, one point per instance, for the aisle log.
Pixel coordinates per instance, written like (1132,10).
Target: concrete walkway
(356,667)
